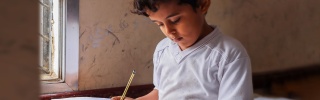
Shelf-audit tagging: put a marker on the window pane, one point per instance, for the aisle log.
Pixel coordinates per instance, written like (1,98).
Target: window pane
(46,34)
(49,39)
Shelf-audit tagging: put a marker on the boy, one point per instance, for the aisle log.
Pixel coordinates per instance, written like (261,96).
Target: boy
(196,61)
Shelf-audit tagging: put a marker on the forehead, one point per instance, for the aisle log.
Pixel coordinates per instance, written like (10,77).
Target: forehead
(167,8)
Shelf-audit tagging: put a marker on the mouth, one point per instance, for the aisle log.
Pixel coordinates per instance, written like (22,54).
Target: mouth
(177,39)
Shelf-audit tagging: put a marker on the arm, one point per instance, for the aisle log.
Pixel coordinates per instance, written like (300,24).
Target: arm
(236,81)
(153,95)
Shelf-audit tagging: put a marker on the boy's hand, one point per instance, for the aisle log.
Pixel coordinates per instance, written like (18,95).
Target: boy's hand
(119,97)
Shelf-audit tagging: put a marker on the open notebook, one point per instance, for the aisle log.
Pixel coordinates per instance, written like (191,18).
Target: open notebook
(83,98)
(95,98)
(256,97)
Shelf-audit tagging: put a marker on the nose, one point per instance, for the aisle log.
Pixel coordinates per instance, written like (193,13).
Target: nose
(170,30)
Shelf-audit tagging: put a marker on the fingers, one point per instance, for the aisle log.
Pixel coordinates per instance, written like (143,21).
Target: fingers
(116,98)
(119,97)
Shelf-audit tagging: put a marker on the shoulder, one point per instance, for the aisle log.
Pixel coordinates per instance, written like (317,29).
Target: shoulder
(164,43)
(161,46)
(229,48)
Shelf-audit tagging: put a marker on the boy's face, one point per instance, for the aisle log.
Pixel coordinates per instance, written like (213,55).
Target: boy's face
(180,23)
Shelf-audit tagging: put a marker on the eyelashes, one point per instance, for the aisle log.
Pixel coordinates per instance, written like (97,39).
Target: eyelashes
(160,24)
(172,22)
(176,21)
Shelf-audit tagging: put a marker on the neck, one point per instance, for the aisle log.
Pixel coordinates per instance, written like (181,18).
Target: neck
(207,29)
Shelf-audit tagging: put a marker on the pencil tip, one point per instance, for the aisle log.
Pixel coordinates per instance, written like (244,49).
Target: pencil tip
(134,72)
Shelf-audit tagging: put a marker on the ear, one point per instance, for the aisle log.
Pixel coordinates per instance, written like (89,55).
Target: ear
(204,6)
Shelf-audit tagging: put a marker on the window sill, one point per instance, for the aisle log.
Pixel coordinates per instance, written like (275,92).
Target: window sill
(54,88)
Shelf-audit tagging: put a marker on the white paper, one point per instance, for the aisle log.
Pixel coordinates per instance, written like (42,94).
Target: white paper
(269,98)
(83,98)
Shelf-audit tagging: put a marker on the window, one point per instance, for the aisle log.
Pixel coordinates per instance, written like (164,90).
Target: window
(59,45)
(51,39)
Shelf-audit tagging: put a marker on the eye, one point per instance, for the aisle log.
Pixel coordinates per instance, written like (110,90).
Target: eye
(160,24)
(176,21)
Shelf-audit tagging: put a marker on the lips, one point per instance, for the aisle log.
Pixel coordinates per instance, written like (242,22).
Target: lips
(177,39)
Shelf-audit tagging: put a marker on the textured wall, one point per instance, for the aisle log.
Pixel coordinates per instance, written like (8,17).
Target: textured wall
(113,42)
(278,34)
(19,50)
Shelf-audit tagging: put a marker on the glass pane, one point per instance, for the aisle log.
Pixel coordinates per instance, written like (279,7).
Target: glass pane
(45,36)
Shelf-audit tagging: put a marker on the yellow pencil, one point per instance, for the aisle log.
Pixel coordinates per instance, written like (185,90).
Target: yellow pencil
(127,87)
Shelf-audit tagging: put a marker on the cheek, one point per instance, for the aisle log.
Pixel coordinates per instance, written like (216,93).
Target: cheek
(163,31)
(189,30)
(191,26)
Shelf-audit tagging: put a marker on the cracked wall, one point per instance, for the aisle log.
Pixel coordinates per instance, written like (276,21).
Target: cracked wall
(278,34)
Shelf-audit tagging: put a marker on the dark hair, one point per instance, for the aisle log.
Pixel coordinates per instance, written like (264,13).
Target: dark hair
(139,6)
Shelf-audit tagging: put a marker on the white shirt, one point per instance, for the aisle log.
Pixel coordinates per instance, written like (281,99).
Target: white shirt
(215,68)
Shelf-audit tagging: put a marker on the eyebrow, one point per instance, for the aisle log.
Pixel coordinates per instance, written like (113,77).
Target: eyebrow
(171,15)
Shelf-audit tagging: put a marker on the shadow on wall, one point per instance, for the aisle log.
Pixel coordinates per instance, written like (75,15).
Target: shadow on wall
(278,34)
